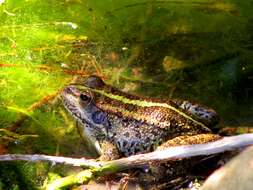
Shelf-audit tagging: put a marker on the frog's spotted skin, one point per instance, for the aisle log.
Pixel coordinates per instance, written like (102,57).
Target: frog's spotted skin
(133,124)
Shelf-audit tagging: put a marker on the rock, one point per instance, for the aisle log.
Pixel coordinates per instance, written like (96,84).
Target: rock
(236,174)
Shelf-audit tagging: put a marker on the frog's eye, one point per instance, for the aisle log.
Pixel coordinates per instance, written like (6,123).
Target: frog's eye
(84,97)
(94,81)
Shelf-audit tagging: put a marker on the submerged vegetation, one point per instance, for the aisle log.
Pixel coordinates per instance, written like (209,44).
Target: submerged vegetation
(200,50)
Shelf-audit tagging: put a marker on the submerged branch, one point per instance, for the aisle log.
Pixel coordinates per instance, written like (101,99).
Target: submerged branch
(6,134)
(98,168)
(186,151)
(49,69)
(55,159)
(171,153)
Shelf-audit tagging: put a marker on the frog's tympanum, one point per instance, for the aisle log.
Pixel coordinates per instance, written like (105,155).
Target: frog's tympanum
(122,124)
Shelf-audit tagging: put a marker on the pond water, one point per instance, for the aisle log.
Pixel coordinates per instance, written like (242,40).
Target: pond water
(199,50)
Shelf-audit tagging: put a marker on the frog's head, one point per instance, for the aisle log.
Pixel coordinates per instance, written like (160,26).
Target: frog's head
(81,104)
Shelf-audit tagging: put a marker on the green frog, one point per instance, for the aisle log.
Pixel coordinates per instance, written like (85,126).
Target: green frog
(121,124)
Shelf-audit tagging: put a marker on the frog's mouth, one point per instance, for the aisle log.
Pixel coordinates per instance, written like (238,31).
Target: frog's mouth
(70,97)
(71,100)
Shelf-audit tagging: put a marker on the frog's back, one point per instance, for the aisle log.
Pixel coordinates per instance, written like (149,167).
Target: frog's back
(154,112)
(139,125)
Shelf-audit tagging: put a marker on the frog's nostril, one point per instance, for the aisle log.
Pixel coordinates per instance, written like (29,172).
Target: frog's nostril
(68,90)
(72,91)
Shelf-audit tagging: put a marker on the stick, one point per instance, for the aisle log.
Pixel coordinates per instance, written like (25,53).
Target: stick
(171,153)
(55,159)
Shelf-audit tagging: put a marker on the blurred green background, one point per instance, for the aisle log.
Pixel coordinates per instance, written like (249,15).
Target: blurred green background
(199,50)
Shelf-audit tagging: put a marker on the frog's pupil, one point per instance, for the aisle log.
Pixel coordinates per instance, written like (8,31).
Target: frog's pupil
(84,97)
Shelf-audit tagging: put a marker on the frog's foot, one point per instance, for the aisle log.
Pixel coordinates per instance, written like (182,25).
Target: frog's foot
(109,151)
(189,140)
(206,115)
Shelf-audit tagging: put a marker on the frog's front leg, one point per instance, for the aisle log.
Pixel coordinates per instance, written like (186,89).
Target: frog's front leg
(104,149)
(108,151)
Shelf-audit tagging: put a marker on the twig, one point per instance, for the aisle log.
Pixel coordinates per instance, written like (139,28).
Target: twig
(171,153)
(179,152)
(55,159)
(49,69)
(136,161)
(13,136)
(45,100)
(160,2)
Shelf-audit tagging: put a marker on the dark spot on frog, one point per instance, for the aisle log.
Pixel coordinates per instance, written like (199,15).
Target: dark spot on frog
(108,124)
(98,117)
(130,107)
(125,120)
(137,135)
(124,143)
(133,143)
(147,140)
(126,134)
(118,144)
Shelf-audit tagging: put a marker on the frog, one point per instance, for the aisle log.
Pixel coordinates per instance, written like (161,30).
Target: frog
(120,124)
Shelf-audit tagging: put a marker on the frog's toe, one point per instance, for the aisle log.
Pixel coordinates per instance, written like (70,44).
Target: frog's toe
(109,151)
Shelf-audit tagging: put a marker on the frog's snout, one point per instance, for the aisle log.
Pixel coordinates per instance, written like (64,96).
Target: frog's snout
(68,90)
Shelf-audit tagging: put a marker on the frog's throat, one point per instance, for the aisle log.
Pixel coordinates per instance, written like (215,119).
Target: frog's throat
(143,103)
